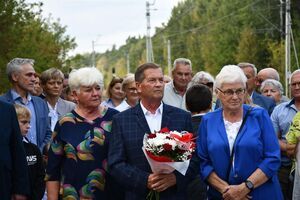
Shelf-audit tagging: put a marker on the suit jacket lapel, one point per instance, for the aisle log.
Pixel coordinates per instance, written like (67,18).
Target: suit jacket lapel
(255,98)
(222,131)
(165,117)
(60,107)
(244,128)
(141,120)
(9,97)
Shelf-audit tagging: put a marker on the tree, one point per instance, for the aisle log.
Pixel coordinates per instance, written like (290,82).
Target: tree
(25,33)
(248,47)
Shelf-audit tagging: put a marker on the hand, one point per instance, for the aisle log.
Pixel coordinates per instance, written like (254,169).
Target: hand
(236,192)
(18,197)
(161,182)
(290,150)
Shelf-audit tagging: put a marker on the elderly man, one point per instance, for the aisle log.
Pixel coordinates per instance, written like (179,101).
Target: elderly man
(52,84)
(264,74)
(260,100)
(176,89)
(282,118)
(14,181)
(126,160)
(21,74)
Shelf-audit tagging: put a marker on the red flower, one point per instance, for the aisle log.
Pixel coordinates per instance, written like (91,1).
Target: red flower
(167,147)
(164,130)
(151,135)
(181,151)
(187,137)
(159,158)
(193,145)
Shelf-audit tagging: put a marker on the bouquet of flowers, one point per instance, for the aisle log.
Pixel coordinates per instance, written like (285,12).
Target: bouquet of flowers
(167,151)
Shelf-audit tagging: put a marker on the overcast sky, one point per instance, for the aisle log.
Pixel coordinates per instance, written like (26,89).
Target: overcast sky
(107,22)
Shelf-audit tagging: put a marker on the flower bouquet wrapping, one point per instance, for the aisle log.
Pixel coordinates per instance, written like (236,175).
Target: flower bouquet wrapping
(167,151)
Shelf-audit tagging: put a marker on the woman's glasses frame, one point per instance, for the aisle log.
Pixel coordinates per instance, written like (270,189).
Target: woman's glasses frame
(231,92)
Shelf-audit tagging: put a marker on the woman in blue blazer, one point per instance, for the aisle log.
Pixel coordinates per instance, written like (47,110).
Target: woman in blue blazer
(239,156)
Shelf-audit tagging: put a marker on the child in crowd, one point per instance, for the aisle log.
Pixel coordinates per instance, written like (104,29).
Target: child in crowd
(34,158)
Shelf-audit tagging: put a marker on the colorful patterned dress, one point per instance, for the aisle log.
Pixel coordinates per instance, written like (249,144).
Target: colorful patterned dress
(77,155)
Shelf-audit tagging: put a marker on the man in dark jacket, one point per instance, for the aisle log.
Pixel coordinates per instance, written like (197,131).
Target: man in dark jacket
(21,74)
(14,181)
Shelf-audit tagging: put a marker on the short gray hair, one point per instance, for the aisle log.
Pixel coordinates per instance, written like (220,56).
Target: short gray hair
(15,65)
(274,83)
(294,73)
(245,64)
(86,76)
(183,61)
(200,77)
(230,74)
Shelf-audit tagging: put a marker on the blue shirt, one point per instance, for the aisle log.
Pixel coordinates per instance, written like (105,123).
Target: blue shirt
(32,136)
(108,103)
(282,118)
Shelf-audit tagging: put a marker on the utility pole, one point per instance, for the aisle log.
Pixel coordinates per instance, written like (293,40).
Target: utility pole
(287,44)
(281,19)
(169,57)
(149,49)
(94,43)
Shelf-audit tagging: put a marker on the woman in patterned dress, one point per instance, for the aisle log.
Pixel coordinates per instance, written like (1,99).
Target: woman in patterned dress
(77,156)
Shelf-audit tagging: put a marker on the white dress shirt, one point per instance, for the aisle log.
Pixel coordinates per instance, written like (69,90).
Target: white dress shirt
(153,120)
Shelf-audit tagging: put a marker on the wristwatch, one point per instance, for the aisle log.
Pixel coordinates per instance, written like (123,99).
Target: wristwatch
(249,185)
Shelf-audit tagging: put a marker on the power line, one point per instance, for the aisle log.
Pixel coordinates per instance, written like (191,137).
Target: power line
(264,18)
(215,21)
(184,13)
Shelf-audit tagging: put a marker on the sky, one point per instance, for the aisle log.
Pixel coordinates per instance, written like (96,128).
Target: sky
(106,22)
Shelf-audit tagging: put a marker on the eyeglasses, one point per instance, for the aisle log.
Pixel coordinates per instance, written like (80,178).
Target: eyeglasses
(230,92)
(295,84)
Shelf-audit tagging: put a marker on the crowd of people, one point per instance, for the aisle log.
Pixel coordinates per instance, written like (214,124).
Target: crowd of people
(66,136)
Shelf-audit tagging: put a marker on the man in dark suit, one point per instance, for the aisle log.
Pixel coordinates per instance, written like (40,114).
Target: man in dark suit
(126,160)
(250,71)
(21,74)
(14,181)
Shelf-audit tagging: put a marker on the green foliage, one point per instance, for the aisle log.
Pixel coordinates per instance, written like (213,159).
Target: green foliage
(212,34)
(248,47)
(24,33)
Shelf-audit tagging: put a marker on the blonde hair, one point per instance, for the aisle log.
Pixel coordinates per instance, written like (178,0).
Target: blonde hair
(22,112)
(129,78)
